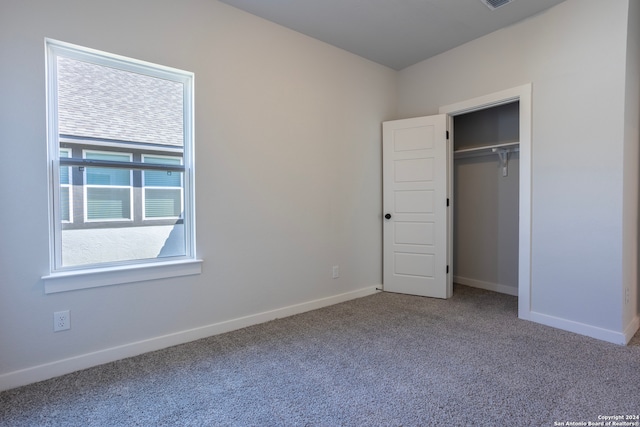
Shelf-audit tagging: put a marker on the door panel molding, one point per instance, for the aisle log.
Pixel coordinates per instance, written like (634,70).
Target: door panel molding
(415,191)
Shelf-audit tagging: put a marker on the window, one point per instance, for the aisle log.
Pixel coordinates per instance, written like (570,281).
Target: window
(121,165)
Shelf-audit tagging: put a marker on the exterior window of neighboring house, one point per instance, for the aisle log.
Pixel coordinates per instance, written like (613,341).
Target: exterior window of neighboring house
(121,161)
(66,206)
(107,191)
(162,190)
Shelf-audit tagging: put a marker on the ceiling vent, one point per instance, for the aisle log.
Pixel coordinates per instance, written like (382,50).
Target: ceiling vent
(494,4)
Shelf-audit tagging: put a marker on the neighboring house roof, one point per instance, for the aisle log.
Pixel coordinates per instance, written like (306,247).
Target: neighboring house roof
(102,102)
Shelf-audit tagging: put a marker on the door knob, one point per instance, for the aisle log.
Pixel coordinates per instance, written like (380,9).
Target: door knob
(388,216)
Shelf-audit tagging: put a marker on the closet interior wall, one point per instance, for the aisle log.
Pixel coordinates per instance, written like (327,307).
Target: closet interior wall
(485,217)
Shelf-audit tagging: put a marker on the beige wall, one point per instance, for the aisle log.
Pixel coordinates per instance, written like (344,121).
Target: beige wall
(287,177)
(574,55)
(485,224)
(631,297)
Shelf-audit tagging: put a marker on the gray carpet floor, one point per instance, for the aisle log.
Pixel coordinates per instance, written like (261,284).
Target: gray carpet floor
(382,360)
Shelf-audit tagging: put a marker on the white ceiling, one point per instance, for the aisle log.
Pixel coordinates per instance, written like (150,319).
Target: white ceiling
(395,33)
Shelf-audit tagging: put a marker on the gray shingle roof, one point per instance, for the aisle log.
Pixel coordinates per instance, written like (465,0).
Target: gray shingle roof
(103,102)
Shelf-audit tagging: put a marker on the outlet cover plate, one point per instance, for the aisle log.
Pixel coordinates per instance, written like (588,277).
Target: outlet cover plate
(61,321)
(336,272)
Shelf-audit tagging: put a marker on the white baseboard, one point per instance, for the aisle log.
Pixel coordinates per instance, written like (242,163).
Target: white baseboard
(581,328)
(557,322)
(88,360)
(495,287)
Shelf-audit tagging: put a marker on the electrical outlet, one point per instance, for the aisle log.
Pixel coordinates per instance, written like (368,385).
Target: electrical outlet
(61,321)
(336,272)
(627,296)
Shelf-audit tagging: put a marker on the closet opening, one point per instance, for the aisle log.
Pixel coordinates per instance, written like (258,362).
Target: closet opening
(486,195)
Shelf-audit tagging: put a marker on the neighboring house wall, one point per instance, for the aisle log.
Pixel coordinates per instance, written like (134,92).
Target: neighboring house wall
(95,245)
(288,148)
(574,55)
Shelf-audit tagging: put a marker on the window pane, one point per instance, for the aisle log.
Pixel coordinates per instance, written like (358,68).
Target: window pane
(64,203)
(162,203)
(110,103)
(65,171)
(108,176)
(114,157)
(108,203)
(119,110)
(162,179)
(64,174)
(163,160)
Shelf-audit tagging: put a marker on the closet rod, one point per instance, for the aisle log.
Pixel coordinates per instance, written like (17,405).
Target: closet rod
(502,150)
(487,148)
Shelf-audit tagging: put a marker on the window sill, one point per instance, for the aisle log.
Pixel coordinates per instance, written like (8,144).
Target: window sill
(93,278)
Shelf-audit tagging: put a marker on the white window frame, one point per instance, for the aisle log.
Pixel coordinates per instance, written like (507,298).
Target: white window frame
(86,186)
(61,278)
(144,189)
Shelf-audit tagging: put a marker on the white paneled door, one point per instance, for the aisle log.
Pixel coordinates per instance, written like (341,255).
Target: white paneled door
(415,217)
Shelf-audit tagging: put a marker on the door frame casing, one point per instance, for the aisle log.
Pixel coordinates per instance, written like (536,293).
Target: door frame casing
(523,95)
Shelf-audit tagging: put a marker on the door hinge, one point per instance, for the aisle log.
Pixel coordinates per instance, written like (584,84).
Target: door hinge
(447,201)
(447,134)
(447,269)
